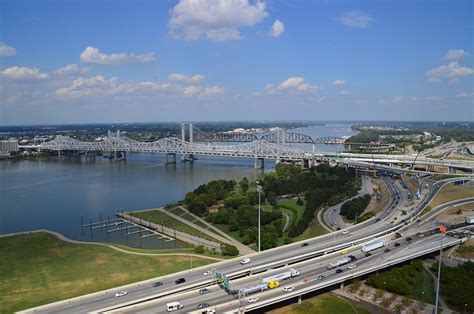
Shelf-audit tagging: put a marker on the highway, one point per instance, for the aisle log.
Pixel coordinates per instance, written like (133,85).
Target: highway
(278,256)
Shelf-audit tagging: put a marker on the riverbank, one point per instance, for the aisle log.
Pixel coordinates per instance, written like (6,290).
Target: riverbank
(38,268)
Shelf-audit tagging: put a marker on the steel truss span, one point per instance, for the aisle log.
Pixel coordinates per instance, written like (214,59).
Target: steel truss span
(259,149)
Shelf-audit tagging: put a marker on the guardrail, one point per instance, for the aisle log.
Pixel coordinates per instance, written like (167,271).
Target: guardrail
(362,272)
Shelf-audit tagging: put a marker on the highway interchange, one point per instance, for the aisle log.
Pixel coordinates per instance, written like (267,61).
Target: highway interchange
(310,260)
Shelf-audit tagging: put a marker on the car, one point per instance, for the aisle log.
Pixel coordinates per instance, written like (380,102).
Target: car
(157,284)
(120,294)
(204,291)
(351,266)
(408,239)
(345,231)
(253,300)
(288,288)
(420,235)
(179,280)
(397,244)
(338,271)
(203,305)
(207,273)
(343,252)
(245,261)
(367,254)
(386,250)
(353,258)
(321,277)
(377,220)
(210,311)
(304,244)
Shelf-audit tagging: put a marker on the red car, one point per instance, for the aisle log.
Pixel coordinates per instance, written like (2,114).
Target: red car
(386,250)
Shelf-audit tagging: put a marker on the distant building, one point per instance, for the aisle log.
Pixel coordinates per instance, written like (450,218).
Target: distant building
(9,146)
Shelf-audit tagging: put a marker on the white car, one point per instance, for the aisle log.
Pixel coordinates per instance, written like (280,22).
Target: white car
(245,261)
(288,289)
(345,231)
(253,300)
(351,266)
(120,294)
(207,273)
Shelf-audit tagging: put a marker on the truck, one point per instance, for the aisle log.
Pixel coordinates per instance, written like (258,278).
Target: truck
(256,288)
(470,220)
(173,306)
(339,262)
(273,284)
(374,245)
(290,273)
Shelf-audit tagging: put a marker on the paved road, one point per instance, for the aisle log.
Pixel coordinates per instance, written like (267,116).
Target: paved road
(332,215)
(195,277)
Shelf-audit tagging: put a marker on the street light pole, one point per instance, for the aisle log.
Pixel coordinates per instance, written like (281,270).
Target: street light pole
(442,230)
(259,190)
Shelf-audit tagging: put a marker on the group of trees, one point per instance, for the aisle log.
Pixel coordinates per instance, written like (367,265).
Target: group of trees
(399,280)
(319,184)
(457,284)
(207,195)
(355,207)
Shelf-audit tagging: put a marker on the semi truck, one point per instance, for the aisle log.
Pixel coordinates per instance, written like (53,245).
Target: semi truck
(339,262)
(290,273)
(374,245)
(256,288)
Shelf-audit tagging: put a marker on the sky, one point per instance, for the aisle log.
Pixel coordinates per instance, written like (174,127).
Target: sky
(225,60)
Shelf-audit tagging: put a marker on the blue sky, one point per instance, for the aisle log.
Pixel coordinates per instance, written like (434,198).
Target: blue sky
(125,61)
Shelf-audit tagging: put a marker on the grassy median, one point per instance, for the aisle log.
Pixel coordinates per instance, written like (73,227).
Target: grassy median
(39,268)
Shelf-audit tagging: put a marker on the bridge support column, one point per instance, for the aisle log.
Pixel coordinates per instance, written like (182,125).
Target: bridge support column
(299,299)
(59,153)
(262,163)
(167,161)
(451,170)
(342,285)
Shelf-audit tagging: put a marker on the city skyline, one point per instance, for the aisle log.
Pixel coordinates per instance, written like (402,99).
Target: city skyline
(88,62)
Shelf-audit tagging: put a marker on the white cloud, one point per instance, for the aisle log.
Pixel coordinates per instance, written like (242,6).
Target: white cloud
(344,93)
(155,86)
(455,54)
(6,51)
(356,19)
(452,71)
(432,98)
(16,73)
(338,83)
(292,84)
(322,99)
(95,86)
(191,79)
(67,70)
(92,55)
(277,29)
(394,100)
(464,94)
(217,20)
(214,90)
(192,90)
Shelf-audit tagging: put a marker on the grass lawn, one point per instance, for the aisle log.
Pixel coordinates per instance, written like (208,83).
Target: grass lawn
(187,250)
(159,217)
(177,211)
(323,304)
(424,283)
(448,193)
(314,230)
(290,204)
(188,217)
(39,268)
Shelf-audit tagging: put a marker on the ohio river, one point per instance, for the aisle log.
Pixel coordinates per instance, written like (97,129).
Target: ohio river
(53,195)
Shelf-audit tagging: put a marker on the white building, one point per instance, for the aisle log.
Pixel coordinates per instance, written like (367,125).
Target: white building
(8,146)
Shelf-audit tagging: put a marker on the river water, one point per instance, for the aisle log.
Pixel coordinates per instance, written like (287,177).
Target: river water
(55,194)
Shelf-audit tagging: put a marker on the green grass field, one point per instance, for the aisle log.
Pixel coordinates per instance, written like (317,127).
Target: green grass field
(323,304)
(159,217)
(314,230)
(39,268)
(424,288)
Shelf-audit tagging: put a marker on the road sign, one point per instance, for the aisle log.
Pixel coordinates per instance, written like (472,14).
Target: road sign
(226,283)
(219,277)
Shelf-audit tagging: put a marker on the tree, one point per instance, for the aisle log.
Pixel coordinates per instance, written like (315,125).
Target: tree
(299,201)
(244,184)
(198,208)
(229,250)
(199,249)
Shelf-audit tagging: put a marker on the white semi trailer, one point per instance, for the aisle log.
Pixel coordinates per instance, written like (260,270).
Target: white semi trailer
(290,273)
(339,262)
(374,245)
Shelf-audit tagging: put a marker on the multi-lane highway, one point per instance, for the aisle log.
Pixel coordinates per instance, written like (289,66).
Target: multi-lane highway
(280,256)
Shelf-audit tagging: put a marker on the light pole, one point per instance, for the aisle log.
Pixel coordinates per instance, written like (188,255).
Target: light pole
(259,191)
(442,230)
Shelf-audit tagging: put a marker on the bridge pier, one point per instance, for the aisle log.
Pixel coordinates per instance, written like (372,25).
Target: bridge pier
(262,163)
(59,153)
(299,299)
(451,170)
(167,159)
